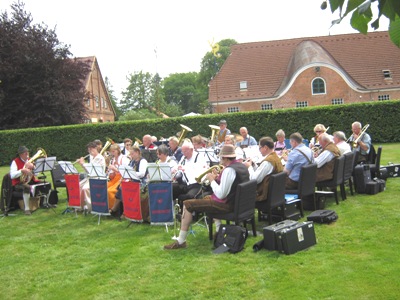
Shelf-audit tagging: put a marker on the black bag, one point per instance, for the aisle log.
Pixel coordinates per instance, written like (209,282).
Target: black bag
(323,216)
(296,238)
(372,188)
(53,199)
(362,175)
(381,184)
(230,238)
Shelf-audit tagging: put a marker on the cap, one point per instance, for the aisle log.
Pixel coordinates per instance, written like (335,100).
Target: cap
(222,122)
(22,149)
(227,151)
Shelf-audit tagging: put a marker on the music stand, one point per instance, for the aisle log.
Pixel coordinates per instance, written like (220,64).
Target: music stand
(150,155)
(95,170)
(212,158)
(159,172)
(68,168)
(41,165)
(128,172)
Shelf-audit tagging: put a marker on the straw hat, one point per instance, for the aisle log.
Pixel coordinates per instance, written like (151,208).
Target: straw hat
(227,151)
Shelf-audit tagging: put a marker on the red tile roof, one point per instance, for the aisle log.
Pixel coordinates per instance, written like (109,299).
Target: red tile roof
(268,67)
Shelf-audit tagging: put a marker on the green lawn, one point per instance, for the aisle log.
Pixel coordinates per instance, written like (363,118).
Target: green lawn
(53,256)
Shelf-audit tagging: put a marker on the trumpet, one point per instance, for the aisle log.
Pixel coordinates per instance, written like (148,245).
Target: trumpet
(206,182)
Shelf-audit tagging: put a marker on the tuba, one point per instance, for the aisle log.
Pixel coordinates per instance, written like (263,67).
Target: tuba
(40,153)
(205,182)
(214,133)
(106,146)
(185,130)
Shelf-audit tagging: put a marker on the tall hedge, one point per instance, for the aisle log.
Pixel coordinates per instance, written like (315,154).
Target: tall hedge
(68,142)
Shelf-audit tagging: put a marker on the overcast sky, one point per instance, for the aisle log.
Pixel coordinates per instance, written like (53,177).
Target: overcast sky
(124,34)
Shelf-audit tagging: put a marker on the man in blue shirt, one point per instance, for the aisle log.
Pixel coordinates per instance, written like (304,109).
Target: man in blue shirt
(247,139)
(300,156)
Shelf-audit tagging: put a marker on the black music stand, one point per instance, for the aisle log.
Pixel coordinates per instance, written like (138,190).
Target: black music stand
(212,157)
(150,155)
(68,168)
(42,165)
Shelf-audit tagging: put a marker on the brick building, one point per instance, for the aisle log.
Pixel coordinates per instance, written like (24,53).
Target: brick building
(97,101)
(327,70)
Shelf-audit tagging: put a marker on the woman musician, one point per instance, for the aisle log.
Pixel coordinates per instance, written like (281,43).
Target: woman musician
(117,159)
(314,142)
(163,157)
(95,158)
(279,145)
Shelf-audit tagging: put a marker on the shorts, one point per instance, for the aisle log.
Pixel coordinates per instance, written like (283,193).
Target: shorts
(207,205)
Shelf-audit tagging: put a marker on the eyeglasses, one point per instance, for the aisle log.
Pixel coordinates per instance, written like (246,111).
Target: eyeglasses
(318,131)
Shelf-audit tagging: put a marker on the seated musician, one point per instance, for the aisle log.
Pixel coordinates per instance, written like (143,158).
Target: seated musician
(230,139)
(127,145)
(300,156)
(189,167)
(280,145)
(363,143)
(20,166)
(114,176)
(248,140)
(139,165)
(223,131)
(222,200)
(314,142)
(270,164)
(339,138)
(326,158)
(174,149)
(97,159)
(163,156)
(198,142)
(148,143)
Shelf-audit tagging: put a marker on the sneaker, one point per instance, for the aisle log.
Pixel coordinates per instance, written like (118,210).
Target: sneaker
(28,213)
(175,245)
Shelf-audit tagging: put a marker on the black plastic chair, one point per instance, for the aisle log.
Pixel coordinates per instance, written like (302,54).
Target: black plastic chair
(275,197)
(347,173)
(9,197)
(337,179)
(375,168)
(306,186)
(57,175)
(244,207)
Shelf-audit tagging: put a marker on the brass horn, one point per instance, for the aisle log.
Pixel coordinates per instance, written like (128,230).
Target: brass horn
(355,142)
(214,133)
(218,168)
(185,130)
(106,146)
(40,153)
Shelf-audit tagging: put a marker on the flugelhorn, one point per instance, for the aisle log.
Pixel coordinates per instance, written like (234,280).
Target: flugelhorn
(184,131)
(40,153)
(199,178)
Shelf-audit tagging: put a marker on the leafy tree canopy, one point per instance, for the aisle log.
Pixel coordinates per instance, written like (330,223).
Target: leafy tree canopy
(39,84)
(362,16)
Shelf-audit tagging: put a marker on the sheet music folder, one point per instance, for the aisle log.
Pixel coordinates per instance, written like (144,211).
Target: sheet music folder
(95,170)
(128,172)
(44,164)
(68,167)
(159,172)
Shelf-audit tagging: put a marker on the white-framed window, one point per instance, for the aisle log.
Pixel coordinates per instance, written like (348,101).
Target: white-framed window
(233,109)
(318,86)
(336,101)
(387,74)
(266,106)
(96,99)
(383,97)
(87,101)
(243,85)
(301,104)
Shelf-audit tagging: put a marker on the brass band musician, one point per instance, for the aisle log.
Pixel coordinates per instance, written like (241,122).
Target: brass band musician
(279,145)
(363,142)
(318,129)
(223,131)
(326,158)
(20,166)
(339,138)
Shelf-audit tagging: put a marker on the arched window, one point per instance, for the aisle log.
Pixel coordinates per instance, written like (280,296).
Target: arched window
(318,86)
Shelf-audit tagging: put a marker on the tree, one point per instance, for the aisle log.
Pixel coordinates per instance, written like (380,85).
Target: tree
(40,84)
(138,114)
(362,15)
(210,65)
(181,90)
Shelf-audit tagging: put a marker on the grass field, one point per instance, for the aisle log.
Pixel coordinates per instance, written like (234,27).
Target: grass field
(54,256)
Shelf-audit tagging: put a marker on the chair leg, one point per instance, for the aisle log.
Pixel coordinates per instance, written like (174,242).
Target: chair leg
(351,186)
(270,217)
(343,191)
(210,228)
(253,226)
(336,196)
(259,215)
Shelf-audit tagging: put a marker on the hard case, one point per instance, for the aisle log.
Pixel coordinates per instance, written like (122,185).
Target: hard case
(362,175)
(372,188)
(296,238)
(292,211)
(393,170)
(269,232)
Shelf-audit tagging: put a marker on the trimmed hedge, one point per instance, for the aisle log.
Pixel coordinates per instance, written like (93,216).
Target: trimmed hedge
(69,142)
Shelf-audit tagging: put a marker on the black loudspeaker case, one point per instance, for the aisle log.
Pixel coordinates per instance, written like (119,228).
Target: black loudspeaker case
(296,238)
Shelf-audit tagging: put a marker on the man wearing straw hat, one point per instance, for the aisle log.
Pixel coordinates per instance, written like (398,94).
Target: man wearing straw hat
(222,200)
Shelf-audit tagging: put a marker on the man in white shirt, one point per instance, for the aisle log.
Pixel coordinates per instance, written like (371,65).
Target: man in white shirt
(326,159)
(339,139)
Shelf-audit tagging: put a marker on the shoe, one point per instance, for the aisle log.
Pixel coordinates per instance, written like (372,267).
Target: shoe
(175,245)
(28,213)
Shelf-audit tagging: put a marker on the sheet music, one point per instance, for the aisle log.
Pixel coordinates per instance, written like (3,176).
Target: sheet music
(44,164)
(42,187)
(128,172)
(95,170)
(159,172)
(68,167)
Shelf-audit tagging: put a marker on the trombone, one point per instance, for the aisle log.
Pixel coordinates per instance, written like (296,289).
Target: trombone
(355,142)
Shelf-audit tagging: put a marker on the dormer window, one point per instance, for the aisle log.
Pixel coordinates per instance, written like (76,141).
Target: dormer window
(387,74)
(243,85)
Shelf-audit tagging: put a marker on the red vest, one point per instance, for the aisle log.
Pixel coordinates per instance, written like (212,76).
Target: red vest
(20,165)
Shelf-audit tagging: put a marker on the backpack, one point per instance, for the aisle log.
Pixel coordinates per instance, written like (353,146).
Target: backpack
(323,216)
(230,238)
